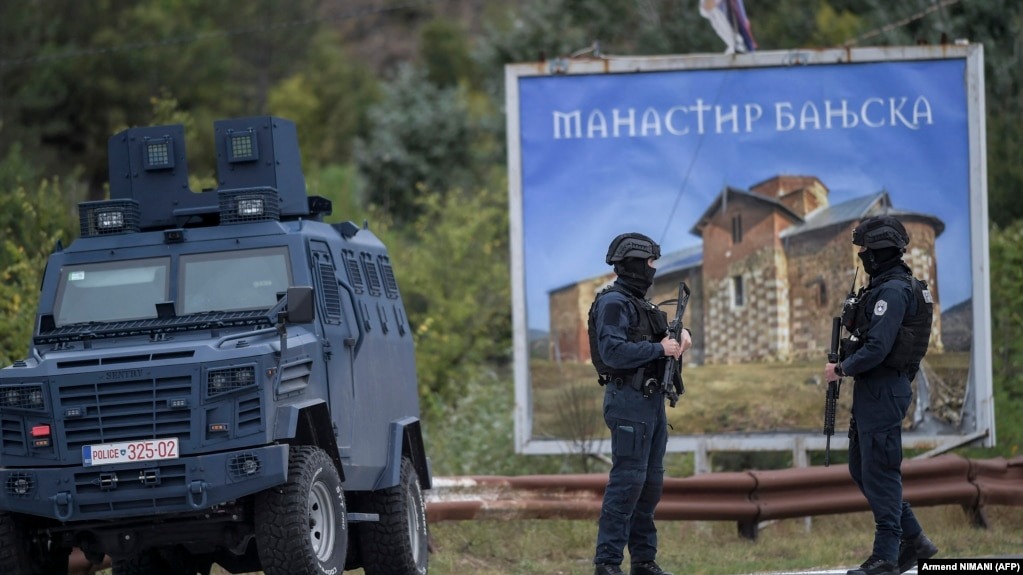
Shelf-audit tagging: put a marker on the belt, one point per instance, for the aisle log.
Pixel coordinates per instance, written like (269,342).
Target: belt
(636,382)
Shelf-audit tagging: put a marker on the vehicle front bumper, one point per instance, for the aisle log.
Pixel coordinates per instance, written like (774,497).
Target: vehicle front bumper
(186,484)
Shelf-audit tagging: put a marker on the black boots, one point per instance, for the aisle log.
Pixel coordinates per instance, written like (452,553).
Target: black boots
(875,566)
(648,568)
(910,550)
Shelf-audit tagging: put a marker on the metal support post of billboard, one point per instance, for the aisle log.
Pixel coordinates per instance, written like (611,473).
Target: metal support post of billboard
(701,459)
(801,458)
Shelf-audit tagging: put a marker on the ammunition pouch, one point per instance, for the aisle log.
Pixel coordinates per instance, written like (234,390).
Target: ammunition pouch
(848,346)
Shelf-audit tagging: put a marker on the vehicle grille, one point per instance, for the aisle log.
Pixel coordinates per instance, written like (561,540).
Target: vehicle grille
(128,493)
(12,436)
(113,411)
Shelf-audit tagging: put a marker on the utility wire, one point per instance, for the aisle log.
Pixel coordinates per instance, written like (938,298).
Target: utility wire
(181,40)
(899,24)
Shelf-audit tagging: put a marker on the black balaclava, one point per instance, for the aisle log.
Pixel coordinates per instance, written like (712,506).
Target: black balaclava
(879,260)
(635,274)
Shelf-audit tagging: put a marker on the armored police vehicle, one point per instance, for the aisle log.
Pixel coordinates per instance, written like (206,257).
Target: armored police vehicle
(215,376)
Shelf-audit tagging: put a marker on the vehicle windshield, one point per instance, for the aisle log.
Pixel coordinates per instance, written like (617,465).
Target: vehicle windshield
(128,290)
(232,281)
(111,291)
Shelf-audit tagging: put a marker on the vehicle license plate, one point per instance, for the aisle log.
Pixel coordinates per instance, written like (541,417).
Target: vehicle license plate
(130,451)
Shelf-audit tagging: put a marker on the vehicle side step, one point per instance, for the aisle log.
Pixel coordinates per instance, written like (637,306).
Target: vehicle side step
(363,517)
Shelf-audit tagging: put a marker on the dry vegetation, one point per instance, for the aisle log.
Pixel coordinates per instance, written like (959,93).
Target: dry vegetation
(708,548)
(724,398)
(554,547)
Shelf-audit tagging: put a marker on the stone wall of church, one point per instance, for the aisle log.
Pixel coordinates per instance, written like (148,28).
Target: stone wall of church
(570,306)
(821,267)
(757,327)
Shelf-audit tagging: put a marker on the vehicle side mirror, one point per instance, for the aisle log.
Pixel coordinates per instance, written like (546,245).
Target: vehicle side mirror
(301,304)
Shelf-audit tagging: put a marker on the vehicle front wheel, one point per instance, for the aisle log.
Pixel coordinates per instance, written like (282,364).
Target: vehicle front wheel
(19,554)
(398,543)
(302,526)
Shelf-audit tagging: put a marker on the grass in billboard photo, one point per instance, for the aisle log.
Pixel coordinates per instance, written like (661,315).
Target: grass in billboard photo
(741,398)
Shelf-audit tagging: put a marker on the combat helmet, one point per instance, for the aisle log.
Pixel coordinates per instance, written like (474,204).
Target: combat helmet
(632,245)
(878,232)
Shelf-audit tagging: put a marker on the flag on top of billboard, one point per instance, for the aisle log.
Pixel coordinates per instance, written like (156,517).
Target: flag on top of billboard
(728,18)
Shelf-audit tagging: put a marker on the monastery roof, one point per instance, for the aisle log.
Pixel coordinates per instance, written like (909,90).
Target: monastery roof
(689,257)
(855,210)
(722,200)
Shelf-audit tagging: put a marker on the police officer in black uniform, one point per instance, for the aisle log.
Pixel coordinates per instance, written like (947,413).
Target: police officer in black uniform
(629,347)
(889,323)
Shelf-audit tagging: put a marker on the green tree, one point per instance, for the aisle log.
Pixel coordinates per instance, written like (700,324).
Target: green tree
(444,51)
(328,98)
(33,219)
(452,265)
(1007,331)
(420,143)
(85,70)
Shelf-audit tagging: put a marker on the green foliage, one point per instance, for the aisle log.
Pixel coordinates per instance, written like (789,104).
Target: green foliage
(530,32)
(833,28)
(791,24)
(421,141)
(539,29)
(445,53)
(1007,332)
(452,265)
(32,220)
(475,436)
(89,69)
(337,184)
(327,98)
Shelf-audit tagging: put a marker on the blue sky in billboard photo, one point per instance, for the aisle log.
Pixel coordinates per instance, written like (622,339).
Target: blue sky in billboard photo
(649,152)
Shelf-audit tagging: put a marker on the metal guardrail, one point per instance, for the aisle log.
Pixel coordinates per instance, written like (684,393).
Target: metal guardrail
(746,497)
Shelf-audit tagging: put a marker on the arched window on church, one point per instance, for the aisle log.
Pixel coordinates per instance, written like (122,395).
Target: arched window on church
(737,229)
(738,294)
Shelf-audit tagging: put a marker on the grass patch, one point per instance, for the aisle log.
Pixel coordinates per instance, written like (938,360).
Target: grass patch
(835,541)
(562,547)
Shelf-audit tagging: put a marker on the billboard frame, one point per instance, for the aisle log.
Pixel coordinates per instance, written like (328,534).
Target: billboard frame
(980,382)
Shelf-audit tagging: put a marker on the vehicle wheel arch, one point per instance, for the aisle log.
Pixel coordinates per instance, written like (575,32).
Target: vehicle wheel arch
(406,440)
(309,424)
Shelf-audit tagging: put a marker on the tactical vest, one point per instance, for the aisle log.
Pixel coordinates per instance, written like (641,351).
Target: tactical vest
(914,333)
(651,325)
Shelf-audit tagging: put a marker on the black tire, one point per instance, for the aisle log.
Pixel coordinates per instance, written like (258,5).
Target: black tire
(302,526)
(135,565)
(398,543)
(169,561)
(18,553)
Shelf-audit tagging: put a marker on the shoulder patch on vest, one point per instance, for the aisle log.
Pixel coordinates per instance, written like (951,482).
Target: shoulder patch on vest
(927,296)
(880,307)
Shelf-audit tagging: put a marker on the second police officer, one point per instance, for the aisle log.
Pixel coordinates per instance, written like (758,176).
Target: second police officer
(890,323)
(629,346)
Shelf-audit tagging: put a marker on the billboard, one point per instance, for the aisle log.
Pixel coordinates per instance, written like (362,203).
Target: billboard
(750,170)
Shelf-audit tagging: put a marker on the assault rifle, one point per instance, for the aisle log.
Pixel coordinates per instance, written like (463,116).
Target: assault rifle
(839,349)
(674,387)
(831,399)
